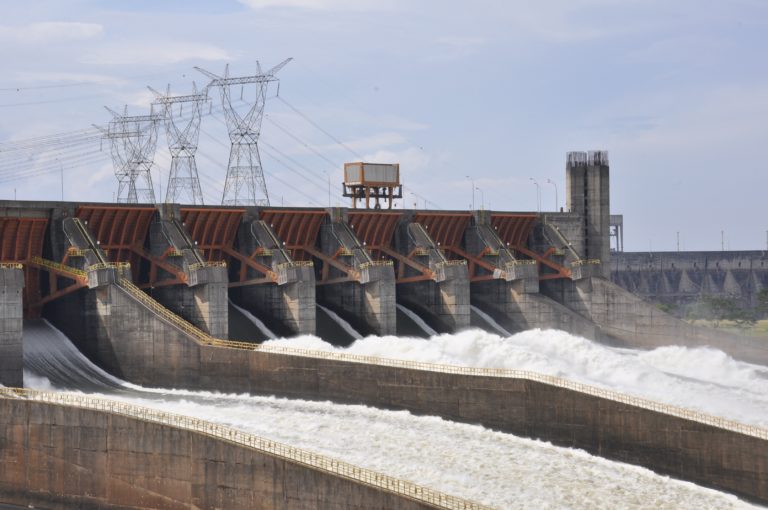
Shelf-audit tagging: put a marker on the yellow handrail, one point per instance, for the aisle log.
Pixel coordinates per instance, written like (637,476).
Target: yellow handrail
(273,448)
(61,268)
(614,396)
(76,252)
(374,263)
(11,265)
(202,265)
(156,307)
(583,262)
(296,263)
(109,265)
(521,262)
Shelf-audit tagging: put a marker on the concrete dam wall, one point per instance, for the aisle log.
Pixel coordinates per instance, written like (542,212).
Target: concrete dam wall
(682,279)
(685,445)
(55,455)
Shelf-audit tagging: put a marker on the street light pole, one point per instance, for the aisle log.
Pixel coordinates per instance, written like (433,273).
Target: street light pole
(538,194)
(473,191)
(482,198)
(557,200)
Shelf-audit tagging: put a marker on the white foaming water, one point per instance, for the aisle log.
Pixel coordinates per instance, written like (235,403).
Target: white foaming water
(255,320)
(498,469)
(346,326)
(490,321)
(698,378)
(418,320)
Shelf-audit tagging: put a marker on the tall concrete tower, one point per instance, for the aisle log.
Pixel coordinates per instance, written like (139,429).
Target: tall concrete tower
(588,194)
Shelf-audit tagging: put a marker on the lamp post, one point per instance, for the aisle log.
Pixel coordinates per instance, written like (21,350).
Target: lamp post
(482,198)
(473,191)
(557,201)
(538,194)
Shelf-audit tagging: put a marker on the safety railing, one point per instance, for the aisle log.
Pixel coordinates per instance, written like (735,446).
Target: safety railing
(521,262)
(11,265)
(643,403)
(374,263)
(109,265)
(202,265)
(77,274)
(299,456)
(159,309)
(263,252)
(421,252)
(459,262)
(73,251)
(295,263)
(585,262)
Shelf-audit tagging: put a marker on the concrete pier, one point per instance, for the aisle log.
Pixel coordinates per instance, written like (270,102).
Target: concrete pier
(201,296)
(11,324)
(286,305)
(442,300)
(365,294)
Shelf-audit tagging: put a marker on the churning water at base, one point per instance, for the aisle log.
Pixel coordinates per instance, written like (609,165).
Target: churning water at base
(704,379)
(469,461)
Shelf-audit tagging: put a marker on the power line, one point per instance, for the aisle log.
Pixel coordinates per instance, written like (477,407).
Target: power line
(313,123)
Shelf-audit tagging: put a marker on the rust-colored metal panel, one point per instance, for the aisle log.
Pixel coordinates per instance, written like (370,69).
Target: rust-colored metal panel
(214,230)
(119,230)
(21,239)
(447,229)
(298,229)
(375,229)
(514,229)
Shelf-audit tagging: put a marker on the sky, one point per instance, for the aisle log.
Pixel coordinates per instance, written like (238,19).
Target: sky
(484,94)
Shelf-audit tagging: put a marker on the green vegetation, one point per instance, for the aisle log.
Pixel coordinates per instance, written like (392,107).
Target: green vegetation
(725,313)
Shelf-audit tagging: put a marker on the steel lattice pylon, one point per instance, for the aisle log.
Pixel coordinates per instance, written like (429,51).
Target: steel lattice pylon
(183,181)
(245,176)
(133,140)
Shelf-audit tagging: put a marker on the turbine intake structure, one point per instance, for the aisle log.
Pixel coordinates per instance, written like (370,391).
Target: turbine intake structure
(183,180)
(245,184)
(133,140)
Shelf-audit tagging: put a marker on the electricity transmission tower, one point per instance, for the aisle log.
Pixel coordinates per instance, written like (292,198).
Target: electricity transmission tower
(183,181)
(133,140)
(245,176)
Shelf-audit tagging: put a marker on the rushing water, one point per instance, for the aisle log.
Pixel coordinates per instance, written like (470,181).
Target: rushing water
(418,320)
(699,378)
(498,469)
(490,321)
(346,326)
(254,320)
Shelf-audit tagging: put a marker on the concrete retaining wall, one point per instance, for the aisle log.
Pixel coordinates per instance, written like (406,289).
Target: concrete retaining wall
(59,457)
(137,345)
(11,324)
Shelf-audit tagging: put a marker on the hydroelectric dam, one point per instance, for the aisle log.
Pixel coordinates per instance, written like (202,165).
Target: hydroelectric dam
(182,356)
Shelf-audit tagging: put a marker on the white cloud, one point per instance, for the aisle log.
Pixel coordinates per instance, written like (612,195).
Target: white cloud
(155,53)
(319,5)
(50,31)
(411,160)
